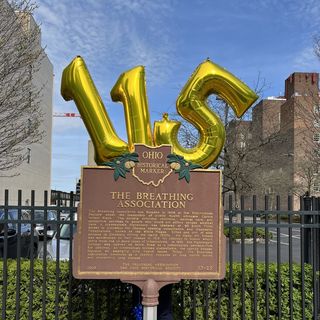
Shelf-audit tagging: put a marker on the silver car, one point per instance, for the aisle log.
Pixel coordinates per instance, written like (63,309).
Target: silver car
(62,242)
(51,218)
(28,243)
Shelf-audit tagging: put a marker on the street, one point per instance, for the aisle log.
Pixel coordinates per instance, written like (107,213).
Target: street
(272,249)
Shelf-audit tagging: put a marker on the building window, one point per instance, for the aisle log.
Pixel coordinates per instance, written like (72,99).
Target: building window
(28,155)
(316,109)
(29,125)
(242,140)
(242,144)
(316,187)
(316,137)
(316,153)
(5,64)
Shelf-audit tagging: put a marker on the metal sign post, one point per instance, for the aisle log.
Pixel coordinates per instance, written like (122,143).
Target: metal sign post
(150,293)
(149,313)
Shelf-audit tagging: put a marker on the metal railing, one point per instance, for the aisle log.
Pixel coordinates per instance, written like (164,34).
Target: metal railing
(272,270)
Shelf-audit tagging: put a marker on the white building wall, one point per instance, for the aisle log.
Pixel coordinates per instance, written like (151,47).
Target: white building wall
(35,172)
(91,161)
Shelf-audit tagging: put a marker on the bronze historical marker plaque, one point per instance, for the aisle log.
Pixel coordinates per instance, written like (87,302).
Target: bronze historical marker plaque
(150,224)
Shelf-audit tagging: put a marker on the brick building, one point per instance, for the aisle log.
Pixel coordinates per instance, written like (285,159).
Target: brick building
(284,137)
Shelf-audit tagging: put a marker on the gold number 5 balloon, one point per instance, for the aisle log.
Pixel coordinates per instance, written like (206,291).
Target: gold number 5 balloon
(207,79)
(130,89)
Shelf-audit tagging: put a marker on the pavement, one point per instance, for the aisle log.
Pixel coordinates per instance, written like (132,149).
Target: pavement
(271,252)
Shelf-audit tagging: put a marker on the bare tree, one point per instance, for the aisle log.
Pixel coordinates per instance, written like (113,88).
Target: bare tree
(244,158)
(308,130)
(241,156)
(308,176)
(308,133)
(308,114)
(20,57)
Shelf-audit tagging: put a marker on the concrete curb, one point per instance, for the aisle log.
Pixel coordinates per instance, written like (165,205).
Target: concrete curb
(251,240)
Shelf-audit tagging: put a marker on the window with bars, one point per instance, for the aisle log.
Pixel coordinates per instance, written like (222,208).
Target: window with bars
(316,137)
(242,144)
(316,187)
(316,153)
(316,109)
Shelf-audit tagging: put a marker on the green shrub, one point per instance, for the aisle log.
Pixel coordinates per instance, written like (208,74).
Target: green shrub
(296,218)
(105,294)
(248,233)
(199,286)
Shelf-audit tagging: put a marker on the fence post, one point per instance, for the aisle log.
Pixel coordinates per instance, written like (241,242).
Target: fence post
(317,233)
(311,245)
(307,220)
(316,257)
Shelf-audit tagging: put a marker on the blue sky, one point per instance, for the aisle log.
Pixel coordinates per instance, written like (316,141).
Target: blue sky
(170,38)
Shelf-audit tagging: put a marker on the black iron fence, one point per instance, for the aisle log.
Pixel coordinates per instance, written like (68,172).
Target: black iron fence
(272,269)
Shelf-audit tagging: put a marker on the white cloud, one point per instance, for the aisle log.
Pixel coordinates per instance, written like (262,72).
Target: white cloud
(306,60)
(67,125)
(113,33)
(51,17)
(112,36)
(306,12)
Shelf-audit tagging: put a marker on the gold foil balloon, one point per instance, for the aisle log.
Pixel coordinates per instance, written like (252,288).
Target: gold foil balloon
(77,85)
(207,79)
(130,89)
(165,129)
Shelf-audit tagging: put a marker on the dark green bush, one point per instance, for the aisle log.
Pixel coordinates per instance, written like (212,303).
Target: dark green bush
(107,293)
(296,218)
(199,287)
(248,233)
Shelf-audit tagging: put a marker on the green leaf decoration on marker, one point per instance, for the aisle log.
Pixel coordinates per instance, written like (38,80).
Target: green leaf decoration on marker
(181,166)
(122,165)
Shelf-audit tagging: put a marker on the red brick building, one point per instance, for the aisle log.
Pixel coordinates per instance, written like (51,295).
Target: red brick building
(284,137)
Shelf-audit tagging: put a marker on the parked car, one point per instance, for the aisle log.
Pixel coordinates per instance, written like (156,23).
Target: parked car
(51,218)
(13,233)
(64,214)
(64,242)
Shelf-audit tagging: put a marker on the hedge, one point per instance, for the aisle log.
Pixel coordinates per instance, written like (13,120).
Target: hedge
(107,293)
(248,233)
(107,296)
(199,287)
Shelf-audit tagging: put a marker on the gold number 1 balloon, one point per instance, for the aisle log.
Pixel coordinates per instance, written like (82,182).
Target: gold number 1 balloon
(130,89)
(77,85)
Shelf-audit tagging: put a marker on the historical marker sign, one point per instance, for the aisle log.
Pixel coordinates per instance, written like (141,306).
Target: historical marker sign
(150,224)
(148,218)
